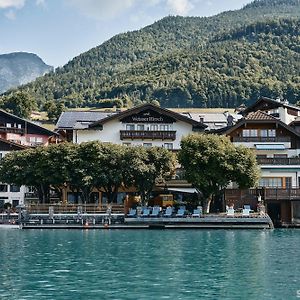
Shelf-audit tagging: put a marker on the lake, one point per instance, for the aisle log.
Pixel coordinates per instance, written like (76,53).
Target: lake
(149,264)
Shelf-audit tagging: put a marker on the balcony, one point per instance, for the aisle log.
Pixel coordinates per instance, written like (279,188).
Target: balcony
(4,129)
(267,194)
(261,139)
(279,161)
(150,135)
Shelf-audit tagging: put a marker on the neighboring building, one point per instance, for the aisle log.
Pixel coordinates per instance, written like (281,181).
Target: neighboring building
(280,109)
(10,193)
(147,125)
(215,121)
(18,134)
(24,132)
(277,147)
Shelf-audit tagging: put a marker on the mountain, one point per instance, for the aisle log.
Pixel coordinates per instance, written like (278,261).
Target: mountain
(20,68)
(223,60)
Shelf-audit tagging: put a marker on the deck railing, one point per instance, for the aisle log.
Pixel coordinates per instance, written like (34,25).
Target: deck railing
(152,135)
(267,194)
(74,208)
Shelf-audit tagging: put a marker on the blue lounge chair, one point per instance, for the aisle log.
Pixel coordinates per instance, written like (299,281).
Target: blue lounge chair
(180,212)
(146,212)
(230,212)
(155,211)
(168,212)
(197,212)
(246,211)
(132,213)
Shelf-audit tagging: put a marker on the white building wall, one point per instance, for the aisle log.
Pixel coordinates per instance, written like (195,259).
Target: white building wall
(9,196)
(111,133)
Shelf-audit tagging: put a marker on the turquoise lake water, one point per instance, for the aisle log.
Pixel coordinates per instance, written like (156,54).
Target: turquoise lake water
(158,264)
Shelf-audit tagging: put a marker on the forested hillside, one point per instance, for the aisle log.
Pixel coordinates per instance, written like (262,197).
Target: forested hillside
(223,60)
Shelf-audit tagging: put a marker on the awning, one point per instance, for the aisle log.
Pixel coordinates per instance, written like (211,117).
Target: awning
(270,146)
(183,190)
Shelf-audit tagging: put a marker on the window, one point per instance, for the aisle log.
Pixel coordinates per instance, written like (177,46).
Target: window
(261,156)
(268,133)
(141,127)
(129,126)
(3,188)
(147,145)
(8,125)
(39,140)
(164,127)
(14,189)
(19,126)
(154,127)
(271,182)
(250,133)
(280,155)
(272,133)
(168,146)
(15,203)
(32,139)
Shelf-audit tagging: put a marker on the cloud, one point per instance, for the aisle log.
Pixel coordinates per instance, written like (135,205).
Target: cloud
(180,7)
(101,9)
(12,3)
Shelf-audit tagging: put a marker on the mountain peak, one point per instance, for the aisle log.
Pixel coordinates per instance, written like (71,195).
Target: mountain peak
(19,68)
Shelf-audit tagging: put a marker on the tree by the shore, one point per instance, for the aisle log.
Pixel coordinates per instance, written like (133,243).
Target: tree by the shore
(211,162)
(84,167)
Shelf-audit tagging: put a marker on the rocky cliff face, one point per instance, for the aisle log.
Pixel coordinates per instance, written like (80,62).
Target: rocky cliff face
(20,68)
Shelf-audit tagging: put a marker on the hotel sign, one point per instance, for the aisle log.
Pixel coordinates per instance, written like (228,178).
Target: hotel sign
(148,116)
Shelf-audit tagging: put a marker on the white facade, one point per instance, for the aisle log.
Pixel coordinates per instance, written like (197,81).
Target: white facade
(10,193)
(112,129)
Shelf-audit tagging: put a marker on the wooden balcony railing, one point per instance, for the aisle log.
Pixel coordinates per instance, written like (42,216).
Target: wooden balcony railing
(278,161)
(267,194)
(12,130)
(260,139)
(151,135)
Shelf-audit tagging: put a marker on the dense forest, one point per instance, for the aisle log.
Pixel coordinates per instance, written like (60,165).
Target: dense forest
(219,61)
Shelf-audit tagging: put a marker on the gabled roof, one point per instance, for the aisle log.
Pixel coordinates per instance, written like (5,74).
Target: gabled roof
(268,101)
(153,107)
(6,145)
(68,119)
(262,118)
(28,123)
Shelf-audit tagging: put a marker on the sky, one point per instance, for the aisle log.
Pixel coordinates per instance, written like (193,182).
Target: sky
(58,30)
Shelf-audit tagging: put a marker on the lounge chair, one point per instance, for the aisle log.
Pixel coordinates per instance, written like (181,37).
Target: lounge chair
(168,212)
(146,212)
(230,212)
(132,213)
(180,212)
(246,211)
(197,212)
(155,211)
